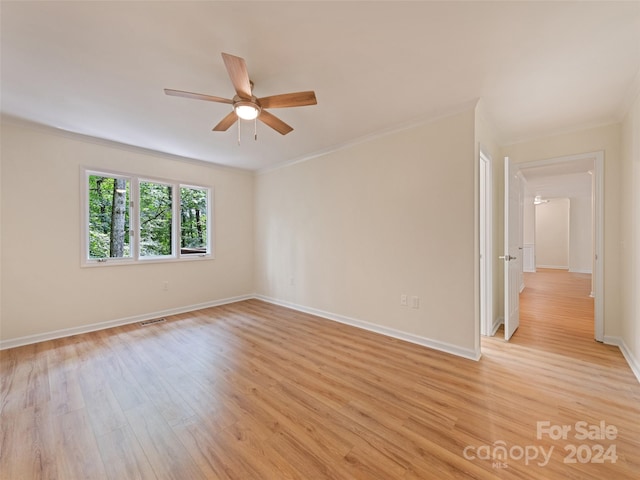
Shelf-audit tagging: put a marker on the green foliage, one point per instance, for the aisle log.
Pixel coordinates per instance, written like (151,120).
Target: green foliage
(98,244)
(156,211)
(155,219)
(193,218)
(101,193)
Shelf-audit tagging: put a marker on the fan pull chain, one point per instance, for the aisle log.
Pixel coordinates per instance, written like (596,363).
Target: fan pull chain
(255,130)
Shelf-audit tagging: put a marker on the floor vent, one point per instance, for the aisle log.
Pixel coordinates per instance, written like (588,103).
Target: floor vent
(151,322)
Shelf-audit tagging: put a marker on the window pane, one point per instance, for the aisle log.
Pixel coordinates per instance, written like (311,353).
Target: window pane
(193,221)
(109,217)
(155,219)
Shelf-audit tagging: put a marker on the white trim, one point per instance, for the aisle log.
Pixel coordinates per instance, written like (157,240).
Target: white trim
(127,147)
(580,270)
(470,354)
(554,267)
(67,332)
(528,258)
(135,258)
(390,332)
(496,325)
(598,247)
(598,226)
(486,239)
(407,125)
(633,362)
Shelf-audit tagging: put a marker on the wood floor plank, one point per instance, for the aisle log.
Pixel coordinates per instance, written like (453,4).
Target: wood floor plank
(260,454)
(255,391)
(167,455)
(34,455)
(76,450)
(213,451)
(123,456)
(66,392)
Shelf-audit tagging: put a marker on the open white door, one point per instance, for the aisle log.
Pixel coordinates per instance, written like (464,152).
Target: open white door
(512,256)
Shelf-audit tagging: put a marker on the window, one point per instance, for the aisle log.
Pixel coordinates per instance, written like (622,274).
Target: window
(193,220)
(156,219)
(109,217)
(129,219)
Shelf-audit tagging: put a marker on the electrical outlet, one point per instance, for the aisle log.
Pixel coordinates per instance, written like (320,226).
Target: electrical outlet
(404,300)
(415,302)
(165,285)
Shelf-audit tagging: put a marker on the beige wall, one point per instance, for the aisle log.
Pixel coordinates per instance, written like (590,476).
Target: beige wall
(346,233)
(528,219)
(43,286)
(552,234)
(581,234)
(630,232)
(349,232)
(607,139)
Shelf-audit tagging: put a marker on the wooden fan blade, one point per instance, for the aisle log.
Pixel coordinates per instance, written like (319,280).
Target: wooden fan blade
(196,96)
(226,122)
(237,69)
(298,99)
(274,122)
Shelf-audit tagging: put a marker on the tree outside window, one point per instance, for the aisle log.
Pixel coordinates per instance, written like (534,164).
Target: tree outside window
(168,216)
(156,219)
(109,217)
(193,220)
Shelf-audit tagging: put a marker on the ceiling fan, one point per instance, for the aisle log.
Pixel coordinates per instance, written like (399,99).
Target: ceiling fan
(245,105)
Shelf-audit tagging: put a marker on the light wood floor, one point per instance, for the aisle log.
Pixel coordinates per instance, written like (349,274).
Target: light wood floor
(252,391)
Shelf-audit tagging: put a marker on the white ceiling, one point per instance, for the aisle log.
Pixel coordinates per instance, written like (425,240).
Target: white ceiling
(99,68)
(561,179)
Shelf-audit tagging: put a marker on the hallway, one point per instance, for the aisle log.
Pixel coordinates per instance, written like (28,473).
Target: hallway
(557,313)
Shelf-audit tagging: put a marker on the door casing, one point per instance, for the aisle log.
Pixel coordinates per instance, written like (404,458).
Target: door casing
(598,225)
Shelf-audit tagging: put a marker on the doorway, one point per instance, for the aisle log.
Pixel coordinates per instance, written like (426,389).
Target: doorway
(573,180)
(487,326)
(556,311)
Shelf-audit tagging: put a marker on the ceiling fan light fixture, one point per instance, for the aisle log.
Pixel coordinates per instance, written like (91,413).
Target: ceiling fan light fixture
(538,200)
(246,110)
(245,105)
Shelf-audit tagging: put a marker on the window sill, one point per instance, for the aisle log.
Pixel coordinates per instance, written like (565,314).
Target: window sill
(112,262)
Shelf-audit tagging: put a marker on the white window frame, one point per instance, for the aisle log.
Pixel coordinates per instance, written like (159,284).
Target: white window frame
(134,221)
(209,243)
(138,235)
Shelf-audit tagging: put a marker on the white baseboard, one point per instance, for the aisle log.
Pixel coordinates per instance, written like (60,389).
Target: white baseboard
(67,332)
(372,327)
(496,325)
(633,362)
(554,267)
(581,270)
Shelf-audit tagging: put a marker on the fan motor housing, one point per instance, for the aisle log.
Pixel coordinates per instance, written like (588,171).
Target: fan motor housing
(247,109)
